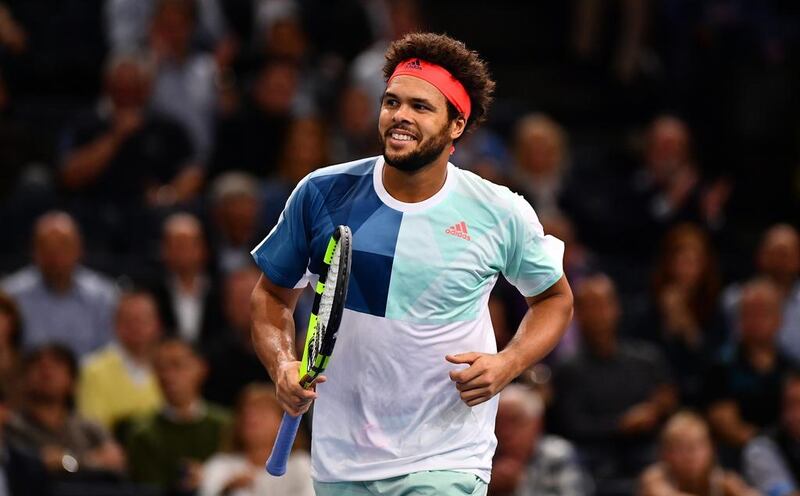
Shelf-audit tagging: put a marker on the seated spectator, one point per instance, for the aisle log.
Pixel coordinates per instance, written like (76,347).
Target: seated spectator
(232,359)
(354,135)
(777,259)
(771,461)
(10,336)
(235,205)
(613,395)
(167,449)
(124,153)
(117,382)
(305,150)
(527,462)
(669,186)
(188,301)
(686,464)
(684,319)
(241,472)
(60,300)
(743,390)
(46,423)
(540,169)
(184,82)
(21,471)
(250,140)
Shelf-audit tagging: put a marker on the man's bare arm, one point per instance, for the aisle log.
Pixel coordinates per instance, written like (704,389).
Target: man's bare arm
(273,332)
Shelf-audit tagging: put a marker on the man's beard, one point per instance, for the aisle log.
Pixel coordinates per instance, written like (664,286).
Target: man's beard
(424,154)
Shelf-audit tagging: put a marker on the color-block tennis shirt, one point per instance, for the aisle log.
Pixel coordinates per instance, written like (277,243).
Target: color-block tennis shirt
(418,291)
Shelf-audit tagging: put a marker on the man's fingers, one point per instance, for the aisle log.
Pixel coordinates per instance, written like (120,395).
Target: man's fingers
(463,357)
(477,401)
(477,383)
(466,375)
(474,394)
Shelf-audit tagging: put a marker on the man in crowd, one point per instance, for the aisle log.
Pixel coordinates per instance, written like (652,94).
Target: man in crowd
(613,426)
(527,462)
(60,300)
(46,423)
(117,382)
(167,448)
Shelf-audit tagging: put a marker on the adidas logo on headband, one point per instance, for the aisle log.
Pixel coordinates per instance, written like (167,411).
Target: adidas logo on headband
(414,64)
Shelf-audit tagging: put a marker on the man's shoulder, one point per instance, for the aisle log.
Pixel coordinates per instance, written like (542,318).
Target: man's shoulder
(22,281)
(95,285)
(101,362)
(217,414)
(360,167)
(480,188)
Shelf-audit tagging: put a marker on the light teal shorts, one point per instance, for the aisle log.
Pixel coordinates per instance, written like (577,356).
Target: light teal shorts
(433,483)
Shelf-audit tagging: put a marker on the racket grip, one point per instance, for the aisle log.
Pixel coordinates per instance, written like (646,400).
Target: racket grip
(276,464)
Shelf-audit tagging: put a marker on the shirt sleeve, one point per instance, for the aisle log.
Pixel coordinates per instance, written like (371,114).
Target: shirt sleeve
(534,260)
(283,255)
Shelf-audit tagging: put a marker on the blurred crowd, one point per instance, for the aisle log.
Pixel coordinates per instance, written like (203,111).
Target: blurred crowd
(146,146)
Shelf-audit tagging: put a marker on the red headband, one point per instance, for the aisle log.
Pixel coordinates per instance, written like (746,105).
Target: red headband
(438,76)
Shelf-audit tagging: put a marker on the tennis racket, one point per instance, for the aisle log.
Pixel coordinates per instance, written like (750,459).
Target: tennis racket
(323,324)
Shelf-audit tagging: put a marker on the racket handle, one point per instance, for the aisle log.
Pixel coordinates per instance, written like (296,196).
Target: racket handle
(276,464)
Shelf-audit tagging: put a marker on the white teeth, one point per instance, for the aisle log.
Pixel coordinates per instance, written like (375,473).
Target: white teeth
(402,137)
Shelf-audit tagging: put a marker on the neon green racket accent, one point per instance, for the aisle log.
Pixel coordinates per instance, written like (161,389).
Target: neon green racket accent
(320,287)
(312,328)
(329,251)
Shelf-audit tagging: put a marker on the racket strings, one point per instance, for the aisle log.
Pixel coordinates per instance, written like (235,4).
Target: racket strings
(325,306)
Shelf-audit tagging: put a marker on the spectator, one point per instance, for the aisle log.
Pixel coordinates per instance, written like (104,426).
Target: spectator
(777,259)
(669,188)
(527,462)
(579,264)
(117,383)
(687,464)
(10,336)
(183,87)
(46,423)
(22,473)
(167,448)
(743,390)
(235,206)
(541,161)
(250,140)
(613,426)
(354,135)
(188,301)
(684,319)
(772,460)
(127,22)
(60,300)
(232,359)
(124,153)
(241,472)
(305,149)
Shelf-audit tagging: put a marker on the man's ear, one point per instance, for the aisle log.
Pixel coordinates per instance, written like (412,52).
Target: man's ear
(457,127)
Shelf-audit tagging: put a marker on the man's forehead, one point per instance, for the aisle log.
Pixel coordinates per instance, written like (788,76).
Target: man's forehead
(413,87)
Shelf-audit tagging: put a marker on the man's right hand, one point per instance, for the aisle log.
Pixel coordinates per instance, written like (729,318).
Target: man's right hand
(292,397)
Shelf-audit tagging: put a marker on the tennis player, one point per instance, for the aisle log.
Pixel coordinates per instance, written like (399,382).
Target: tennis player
(411,394)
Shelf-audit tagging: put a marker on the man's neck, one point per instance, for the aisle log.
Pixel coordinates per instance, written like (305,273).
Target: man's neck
(417,186)
(185,411)
(58,285)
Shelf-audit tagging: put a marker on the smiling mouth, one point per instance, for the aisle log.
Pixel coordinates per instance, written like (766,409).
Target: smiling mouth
(401,135)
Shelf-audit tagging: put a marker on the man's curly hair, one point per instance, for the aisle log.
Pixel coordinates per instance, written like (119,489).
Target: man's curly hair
(464,64)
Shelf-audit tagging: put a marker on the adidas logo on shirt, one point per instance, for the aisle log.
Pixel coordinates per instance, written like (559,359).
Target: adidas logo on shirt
(459,230)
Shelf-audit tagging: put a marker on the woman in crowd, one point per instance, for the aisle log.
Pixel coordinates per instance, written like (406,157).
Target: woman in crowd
(241,472)
(687,465)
